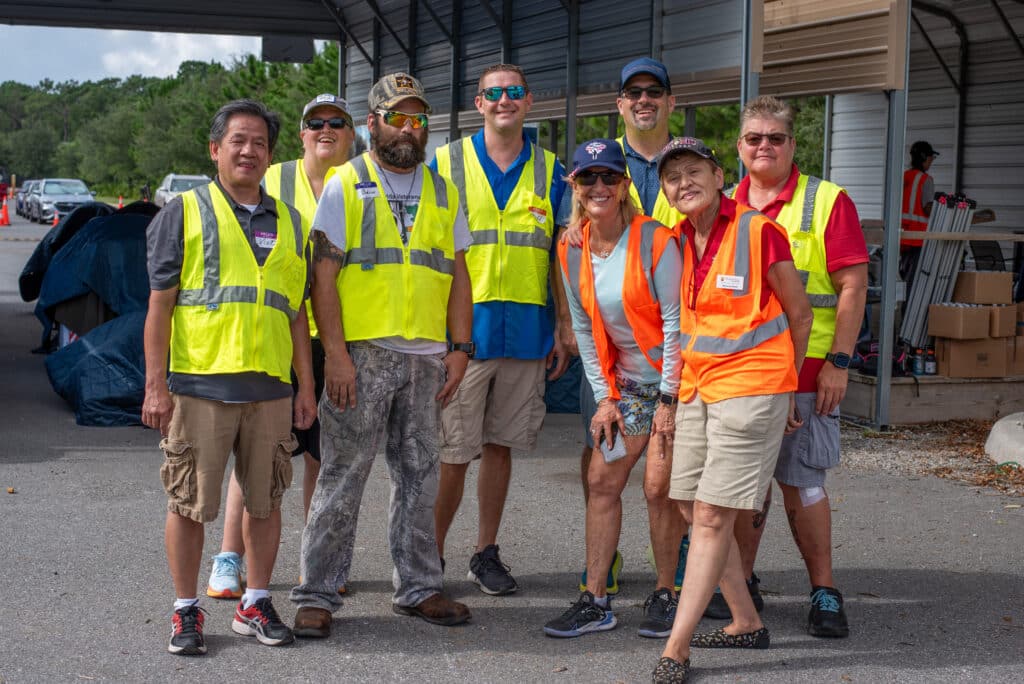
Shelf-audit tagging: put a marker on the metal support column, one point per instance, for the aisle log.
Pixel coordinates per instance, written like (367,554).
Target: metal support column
(690,122)
(412,35)
(455,73)
(572,77)
(749,79)
(826,156)
(342,64)
(613,126)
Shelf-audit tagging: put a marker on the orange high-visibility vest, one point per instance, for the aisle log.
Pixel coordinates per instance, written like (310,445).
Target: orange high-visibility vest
(647,242)
(732,346)
(913,217)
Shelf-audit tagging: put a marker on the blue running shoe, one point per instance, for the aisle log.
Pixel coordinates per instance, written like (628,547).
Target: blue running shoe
(583,617)
(684,548)
(227,578)
(611,585)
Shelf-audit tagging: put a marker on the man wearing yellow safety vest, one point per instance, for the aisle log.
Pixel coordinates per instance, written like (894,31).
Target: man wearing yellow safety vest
(511,190)
(829,251)
(327,135)
(229,271)
(390,281)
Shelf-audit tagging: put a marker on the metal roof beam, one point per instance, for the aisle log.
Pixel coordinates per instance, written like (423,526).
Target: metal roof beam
(372,4)
(339,19)
(935,51)
(437,20)
(1008,26)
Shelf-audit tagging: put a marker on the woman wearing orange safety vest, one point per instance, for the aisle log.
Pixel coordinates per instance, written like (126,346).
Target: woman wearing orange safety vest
(622,284)
(744,324)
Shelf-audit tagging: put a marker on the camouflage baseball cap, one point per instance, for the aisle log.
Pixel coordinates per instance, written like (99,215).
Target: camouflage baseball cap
(393,88)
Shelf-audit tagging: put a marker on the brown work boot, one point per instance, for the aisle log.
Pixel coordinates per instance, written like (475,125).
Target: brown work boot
(438,609)
(312,623)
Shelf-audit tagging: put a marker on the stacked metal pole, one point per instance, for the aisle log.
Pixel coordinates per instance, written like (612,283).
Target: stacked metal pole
(937,267)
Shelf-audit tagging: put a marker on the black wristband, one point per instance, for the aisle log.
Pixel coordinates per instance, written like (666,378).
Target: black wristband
(668,399)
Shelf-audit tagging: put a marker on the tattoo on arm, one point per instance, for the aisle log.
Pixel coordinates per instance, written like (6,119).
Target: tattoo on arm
(325,249)
(762,515)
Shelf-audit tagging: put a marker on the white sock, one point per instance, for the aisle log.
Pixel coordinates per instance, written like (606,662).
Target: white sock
(251,596)
(601,601)
(180,603)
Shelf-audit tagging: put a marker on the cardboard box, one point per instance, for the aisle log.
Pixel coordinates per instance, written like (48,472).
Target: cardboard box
(1018,356)
(1020,312)
(959,322)
(985,358)
(1003,321)
(984,287)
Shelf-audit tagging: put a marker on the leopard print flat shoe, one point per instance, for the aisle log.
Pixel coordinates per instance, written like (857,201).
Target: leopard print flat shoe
(670,671)
(719,639)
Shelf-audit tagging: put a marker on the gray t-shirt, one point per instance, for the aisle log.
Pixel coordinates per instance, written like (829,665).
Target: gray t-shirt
(165,246)
(403,194)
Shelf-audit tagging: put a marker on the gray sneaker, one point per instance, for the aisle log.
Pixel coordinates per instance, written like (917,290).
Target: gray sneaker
(659,614)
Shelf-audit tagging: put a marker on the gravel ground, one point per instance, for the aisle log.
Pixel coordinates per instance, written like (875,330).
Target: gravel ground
(954,450)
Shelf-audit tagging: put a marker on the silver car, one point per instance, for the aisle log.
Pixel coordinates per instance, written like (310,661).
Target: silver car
(174,184)
(59,195)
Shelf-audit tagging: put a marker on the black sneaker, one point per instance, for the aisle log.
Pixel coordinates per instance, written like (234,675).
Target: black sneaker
(827,617)
(659,613)
(718,609)
(187,631)
(583,617)
(261,621)
(487,570)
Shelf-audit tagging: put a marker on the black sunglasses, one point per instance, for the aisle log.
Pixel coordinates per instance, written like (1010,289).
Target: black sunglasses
(634,93)
(609,178)
(318,124)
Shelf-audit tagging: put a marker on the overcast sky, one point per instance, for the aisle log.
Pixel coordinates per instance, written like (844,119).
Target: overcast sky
(33,53)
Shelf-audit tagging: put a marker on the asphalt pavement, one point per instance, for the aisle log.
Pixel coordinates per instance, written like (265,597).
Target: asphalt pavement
(932,571)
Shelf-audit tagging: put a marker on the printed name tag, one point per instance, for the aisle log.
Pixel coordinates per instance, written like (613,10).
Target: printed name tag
(367,190)
(729,282)
(265,240)
(539,214)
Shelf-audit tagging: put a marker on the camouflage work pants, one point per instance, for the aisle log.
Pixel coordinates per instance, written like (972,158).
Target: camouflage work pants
(395,409)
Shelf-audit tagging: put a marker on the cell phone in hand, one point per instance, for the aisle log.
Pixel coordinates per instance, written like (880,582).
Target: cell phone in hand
(618,448)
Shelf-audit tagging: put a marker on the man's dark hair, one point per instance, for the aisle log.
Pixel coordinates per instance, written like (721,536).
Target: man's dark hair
(219,125)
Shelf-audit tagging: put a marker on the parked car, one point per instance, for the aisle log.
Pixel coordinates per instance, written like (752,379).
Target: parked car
(174,184)
(56,194)
(21,198)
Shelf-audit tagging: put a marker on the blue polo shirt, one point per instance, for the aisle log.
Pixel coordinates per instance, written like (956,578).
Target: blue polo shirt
(511,329)
(644,175)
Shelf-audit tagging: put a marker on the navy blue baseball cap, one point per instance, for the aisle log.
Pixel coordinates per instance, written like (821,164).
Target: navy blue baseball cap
(598,152)
(645,65)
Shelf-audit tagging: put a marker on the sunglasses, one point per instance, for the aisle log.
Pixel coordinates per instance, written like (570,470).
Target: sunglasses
(399,119)
(634,93)
(318,124)
(775,139)
(609,178)
(493,94)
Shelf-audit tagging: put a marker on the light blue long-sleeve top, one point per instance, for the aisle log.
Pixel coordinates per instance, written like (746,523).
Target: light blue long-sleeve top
(609,274)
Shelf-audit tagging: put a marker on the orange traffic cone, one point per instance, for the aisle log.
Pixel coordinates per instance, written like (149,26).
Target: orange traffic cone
(56,218)
(120,201)
(5,217)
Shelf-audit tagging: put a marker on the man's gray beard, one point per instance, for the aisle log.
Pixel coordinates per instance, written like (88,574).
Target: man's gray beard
(402,154)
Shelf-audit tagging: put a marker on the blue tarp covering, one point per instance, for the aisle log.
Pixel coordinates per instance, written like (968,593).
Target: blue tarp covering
(102,374)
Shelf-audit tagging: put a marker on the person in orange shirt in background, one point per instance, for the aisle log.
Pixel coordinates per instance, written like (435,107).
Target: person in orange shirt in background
(918,193)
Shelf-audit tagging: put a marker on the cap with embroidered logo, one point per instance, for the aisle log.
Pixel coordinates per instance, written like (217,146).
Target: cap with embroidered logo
(598,152)
(327,100)
(680,146)
(393,88)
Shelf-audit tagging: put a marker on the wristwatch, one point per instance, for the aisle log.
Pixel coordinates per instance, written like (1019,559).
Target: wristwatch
(839,360)
(468,347)
(668,399)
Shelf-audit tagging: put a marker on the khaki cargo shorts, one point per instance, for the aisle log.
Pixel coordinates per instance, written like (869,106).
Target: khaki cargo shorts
(725,452)
(500,401)
(204,433)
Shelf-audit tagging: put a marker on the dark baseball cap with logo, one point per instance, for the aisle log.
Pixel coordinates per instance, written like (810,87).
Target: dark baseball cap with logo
(393,88)
(677,147)
(923,149)
(598,152)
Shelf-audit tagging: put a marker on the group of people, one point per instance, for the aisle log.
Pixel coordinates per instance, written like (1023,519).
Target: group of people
(714,330)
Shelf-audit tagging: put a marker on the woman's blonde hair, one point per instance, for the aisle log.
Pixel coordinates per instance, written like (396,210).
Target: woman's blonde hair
(628,210)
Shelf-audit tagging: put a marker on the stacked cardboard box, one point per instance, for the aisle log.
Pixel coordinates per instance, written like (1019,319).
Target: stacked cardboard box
(979,334)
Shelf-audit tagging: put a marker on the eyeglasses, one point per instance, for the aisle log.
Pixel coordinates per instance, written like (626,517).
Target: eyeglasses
(775,139)
(493,94)
(318,124)
(399,119)
(609,178)
(634,93)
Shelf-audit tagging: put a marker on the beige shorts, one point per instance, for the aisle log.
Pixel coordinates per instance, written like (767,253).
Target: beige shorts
(203,434)
(500,401)
(725,452)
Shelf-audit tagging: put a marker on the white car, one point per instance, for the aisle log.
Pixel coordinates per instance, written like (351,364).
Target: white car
(174,184)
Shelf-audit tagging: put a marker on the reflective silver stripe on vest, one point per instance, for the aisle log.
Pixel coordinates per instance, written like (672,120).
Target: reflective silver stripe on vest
(296,218)
(823,301)
(458,164)
(212,292)
(706,344)
(288,182)
(915,200)
(487,236)
(741,259)
(573,257)
(369,253)
(538,238)
(810,191)
(647,231)
(540,172)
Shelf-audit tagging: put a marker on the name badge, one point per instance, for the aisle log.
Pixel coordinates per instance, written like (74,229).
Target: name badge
(729,282)
(539,214)
(367,190)
(265,240)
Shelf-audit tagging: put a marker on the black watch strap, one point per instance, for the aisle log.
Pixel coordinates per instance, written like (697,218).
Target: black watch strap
(838,359)
(668,399)
(468,347)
